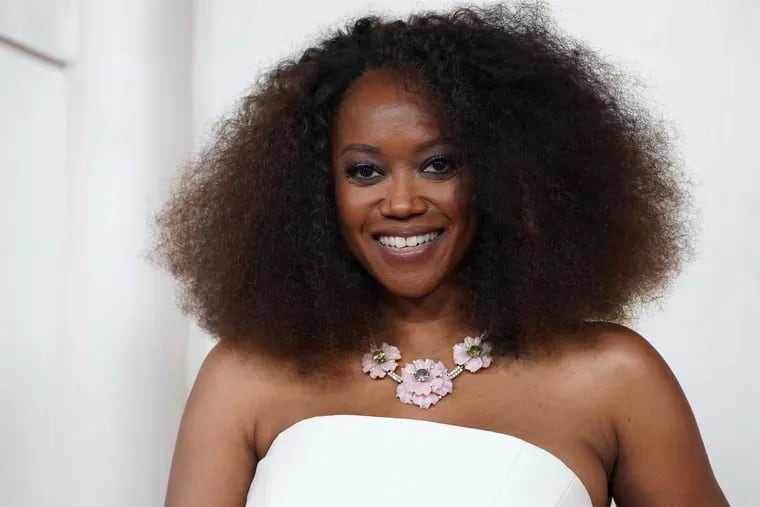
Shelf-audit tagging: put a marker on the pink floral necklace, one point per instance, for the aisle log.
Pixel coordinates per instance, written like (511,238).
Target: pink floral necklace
(423,382)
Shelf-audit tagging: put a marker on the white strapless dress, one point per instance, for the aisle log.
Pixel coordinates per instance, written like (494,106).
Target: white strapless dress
(366,461)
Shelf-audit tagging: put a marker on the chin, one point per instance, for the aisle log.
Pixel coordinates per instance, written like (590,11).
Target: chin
(410,289)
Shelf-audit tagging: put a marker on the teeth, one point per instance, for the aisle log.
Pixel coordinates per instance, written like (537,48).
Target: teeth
(412,241)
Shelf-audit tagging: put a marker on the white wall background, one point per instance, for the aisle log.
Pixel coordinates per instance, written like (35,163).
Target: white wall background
(96,363)
(91,348)
(32,97)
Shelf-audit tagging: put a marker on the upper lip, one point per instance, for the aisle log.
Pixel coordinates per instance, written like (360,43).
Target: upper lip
(405,232)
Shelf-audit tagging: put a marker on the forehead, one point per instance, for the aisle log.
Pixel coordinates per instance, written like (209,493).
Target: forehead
(377,105)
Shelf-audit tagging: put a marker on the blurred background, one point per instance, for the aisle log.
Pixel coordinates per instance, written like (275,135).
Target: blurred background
(102,101)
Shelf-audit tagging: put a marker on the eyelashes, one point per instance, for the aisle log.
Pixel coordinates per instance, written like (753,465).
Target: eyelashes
(363,171)
(441,164)
(435,167)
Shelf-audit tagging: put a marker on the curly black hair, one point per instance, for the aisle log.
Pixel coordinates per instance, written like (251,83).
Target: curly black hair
(582,207)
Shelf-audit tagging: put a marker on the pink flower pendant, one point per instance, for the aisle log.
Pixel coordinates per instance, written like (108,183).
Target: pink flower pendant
(473,353)
(424,382)
(379,362)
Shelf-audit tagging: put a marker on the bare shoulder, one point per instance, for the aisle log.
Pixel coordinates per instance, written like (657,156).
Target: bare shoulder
(611,358)
(661,459)
(225,364)
(232,381)
(623,355)
(213,459)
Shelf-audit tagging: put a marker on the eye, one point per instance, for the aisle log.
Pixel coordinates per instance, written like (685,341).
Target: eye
(363,173)
(439,166)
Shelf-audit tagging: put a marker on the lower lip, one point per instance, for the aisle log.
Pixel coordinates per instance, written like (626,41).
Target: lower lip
(409,254)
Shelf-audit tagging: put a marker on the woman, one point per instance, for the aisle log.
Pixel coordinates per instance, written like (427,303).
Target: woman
(412,243)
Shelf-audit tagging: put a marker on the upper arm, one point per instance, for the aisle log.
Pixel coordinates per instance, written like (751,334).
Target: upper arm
(661,459)
(213,459)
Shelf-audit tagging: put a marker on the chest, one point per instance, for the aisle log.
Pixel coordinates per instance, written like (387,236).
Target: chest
(557,415)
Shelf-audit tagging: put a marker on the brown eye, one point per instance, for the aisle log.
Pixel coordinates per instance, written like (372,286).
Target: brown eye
(363,173)
(439,166)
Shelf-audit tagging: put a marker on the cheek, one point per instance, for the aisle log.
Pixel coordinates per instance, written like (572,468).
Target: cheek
(454,201)
(352,208)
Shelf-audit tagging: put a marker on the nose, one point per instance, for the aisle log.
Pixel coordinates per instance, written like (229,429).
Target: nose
(402,199)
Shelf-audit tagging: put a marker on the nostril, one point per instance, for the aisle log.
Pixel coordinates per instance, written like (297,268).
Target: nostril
(403,208)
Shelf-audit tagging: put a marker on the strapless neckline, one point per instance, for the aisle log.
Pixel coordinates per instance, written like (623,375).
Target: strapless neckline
(414,424)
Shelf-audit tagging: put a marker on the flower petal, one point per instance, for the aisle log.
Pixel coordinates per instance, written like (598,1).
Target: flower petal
(445,388)
(404,394)
(389,365)
(408,369)
(474,364)
(424,402)
(421,388)
(437,369)
(391,352)
(460,353)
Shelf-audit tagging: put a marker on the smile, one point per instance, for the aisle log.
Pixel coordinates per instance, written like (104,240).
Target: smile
(404,243)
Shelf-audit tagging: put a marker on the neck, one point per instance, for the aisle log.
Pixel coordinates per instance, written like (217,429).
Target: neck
(425,327)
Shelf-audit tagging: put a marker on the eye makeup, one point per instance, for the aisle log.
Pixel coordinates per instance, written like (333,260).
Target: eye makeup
(435,167)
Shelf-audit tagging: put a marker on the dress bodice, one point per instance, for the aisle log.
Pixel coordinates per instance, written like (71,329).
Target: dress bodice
(366,461)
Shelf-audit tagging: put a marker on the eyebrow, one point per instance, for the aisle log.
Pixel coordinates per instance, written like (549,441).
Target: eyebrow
(368,148)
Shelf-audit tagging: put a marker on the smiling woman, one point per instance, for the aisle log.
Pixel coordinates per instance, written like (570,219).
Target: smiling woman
(472,191)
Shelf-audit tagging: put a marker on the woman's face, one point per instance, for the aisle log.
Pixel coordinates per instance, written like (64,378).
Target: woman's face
(403,204)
